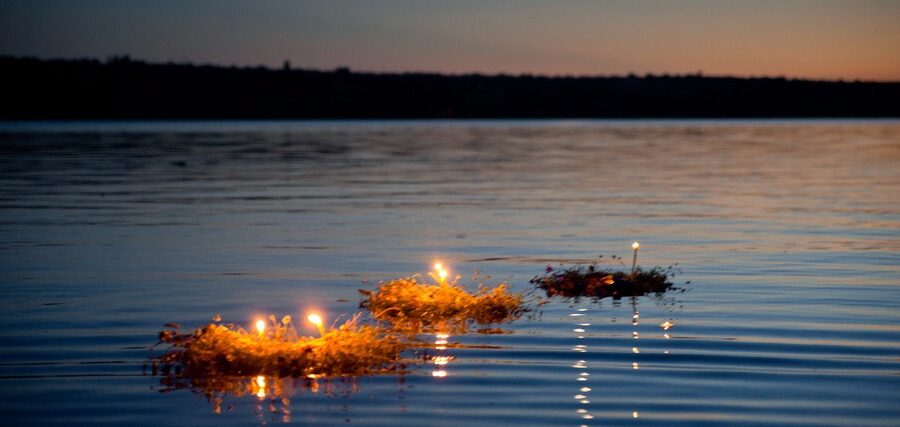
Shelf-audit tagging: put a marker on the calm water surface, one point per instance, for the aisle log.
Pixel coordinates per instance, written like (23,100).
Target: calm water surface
(788,231)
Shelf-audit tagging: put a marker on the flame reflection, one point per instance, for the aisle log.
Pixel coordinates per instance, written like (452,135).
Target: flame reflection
(440,360)
(580,330)
(260,387)
(271,395)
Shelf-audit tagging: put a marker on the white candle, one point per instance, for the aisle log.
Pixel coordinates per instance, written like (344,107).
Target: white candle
(634,246)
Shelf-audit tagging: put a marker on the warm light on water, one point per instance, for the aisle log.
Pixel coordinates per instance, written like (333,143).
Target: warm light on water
(441,360)
(261,386)
(786,230)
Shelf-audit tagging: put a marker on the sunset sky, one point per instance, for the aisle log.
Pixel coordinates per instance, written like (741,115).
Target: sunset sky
(811,39)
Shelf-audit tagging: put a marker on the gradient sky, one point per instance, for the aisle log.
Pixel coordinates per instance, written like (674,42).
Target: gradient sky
(813,39)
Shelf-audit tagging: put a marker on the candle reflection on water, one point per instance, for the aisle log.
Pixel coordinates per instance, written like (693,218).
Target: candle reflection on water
(260,387)
(440,361)
(580,330)
(271,396)
(635,316)
(665,327)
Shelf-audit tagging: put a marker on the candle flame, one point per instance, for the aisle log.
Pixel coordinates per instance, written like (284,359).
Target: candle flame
(315,319)
(441,272)
(635,245)
(261,325)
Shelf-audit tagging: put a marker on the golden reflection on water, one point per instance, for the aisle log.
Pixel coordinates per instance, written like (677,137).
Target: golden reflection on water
(580,330)
(271,395)
(582,319)
(440,360)
(261,387)
(635,350)
(635,316)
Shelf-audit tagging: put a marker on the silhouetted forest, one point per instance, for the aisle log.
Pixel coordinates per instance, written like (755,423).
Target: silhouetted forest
(125,88)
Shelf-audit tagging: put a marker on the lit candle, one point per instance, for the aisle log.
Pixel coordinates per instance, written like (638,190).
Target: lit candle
(441,273)
(634,246)
(315,319)
(261,326)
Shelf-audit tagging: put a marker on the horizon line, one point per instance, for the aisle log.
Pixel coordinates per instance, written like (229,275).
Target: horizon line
(110,59)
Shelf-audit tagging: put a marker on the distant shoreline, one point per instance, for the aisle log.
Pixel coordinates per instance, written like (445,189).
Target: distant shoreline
(125,89)
(262,126)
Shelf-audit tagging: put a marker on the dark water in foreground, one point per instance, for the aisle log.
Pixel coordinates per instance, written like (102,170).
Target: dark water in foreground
(788,231)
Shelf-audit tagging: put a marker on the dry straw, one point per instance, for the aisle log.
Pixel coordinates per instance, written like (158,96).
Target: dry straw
(593,281)
(218,349)
(410,305)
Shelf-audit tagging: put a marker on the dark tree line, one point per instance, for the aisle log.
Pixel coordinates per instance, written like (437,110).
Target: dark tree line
(123,88)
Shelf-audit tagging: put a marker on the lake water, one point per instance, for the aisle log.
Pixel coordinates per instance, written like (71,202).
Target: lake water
(789,233)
